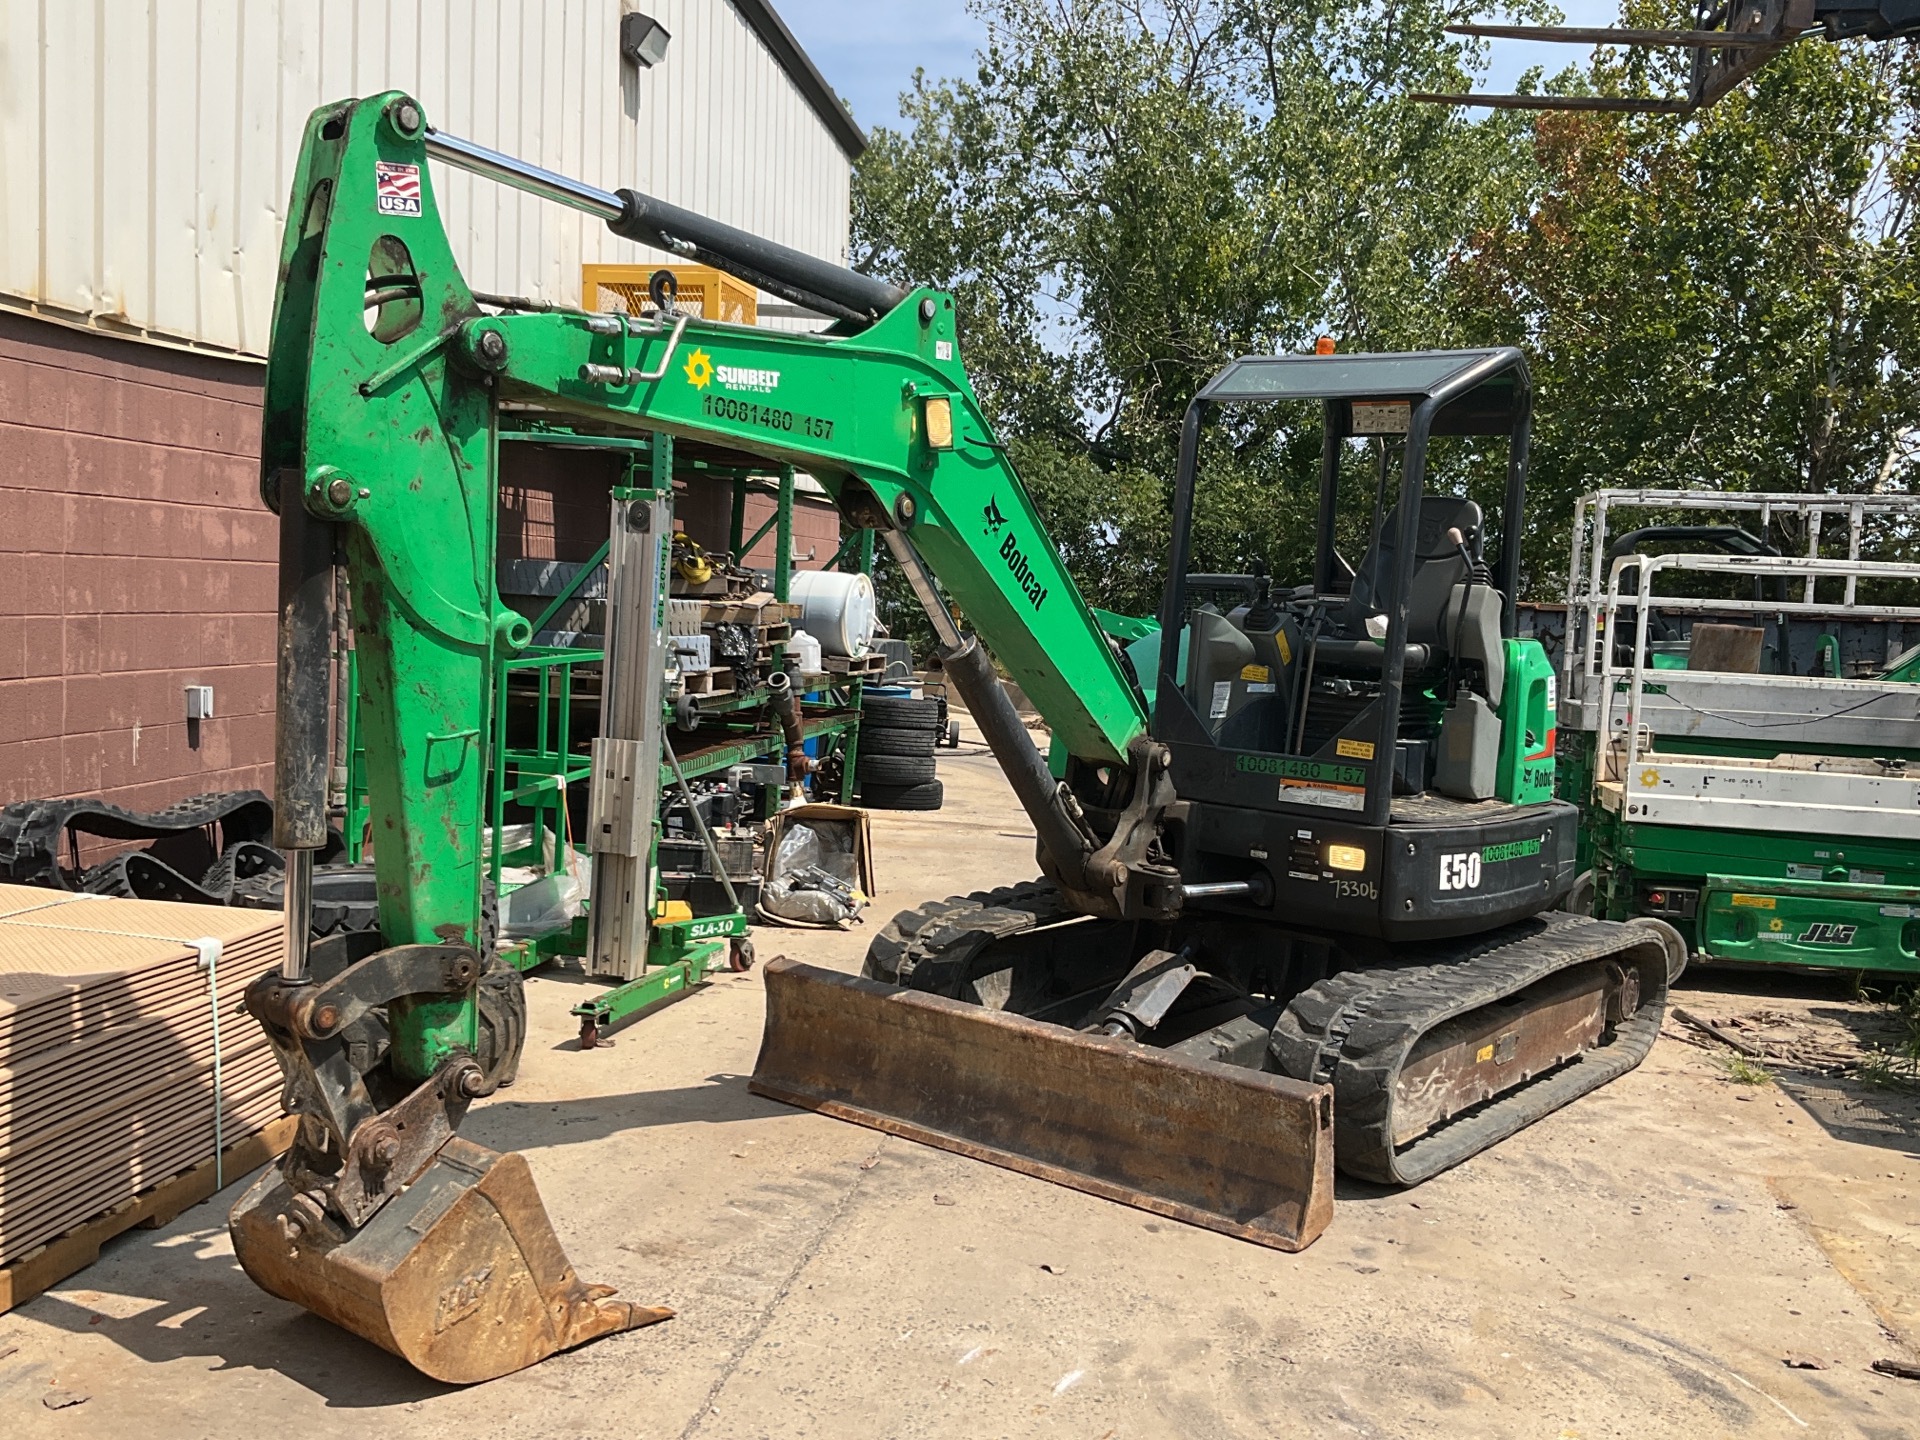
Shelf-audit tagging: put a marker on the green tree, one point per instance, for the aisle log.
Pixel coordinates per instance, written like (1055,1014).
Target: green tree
(1126,196)
(1726,301)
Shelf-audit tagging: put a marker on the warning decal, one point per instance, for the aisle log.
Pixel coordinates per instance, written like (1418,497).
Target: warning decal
(396,188)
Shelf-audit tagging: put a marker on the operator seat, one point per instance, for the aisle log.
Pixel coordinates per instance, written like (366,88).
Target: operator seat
(1437,568)
(1453,645)
(1439,588)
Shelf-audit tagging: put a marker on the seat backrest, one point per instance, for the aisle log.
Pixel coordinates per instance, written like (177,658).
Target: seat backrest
(1437,568)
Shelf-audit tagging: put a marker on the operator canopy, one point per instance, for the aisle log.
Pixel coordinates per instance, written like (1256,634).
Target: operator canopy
(1483,407)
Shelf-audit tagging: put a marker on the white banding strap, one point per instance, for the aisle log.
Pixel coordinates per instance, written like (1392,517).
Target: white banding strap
(210,949)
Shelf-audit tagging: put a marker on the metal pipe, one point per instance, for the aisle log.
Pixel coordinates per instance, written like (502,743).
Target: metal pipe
(479,160)
(786,709)
(1611,35)
(296,910)
(1063,839)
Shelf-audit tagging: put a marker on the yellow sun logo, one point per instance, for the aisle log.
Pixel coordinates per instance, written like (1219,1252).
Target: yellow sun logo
(1649,778)
(699,369)
(1776,925)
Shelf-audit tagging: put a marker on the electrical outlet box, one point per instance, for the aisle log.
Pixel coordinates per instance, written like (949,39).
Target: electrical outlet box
(199,702)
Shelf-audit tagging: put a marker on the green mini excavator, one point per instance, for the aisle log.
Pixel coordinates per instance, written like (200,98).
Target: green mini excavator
(1299,868)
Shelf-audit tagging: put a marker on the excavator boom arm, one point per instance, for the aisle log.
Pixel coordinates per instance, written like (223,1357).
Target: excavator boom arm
(386,382)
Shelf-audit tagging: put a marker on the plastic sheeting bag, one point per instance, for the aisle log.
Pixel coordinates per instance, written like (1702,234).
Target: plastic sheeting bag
(792,895)
(553,902)
(544,897)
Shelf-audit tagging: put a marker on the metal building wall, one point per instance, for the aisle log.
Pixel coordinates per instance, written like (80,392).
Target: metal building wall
(146,146)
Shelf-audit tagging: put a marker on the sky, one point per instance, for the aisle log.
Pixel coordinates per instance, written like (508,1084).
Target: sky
(868,49)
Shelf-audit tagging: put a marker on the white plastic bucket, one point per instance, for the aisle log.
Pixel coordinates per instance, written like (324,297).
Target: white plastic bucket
(835,609)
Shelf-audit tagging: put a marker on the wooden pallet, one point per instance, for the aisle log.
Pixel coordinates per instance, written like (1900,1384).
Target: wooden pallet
(40,1270)
(714,682)
(872,663)
(758,610)
(717,587)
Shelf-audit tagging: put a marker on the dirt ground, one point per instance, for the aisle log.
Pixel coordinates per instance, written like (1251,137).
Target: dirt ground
(1642,1264)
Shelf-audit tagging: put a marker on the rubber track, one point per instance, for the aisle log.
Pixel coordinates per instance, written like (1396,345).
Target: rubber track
(32,831)
(1356,1029)
(142,876)
(928,947)
(345,897)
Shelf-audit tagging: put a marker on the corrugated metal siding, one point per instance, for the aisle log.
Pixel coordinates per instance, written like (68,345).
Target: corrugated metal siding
(146,148)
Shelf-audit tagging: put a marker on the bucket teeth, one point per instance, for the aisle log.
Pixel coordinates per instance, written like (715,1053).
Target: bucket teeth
(460,1275)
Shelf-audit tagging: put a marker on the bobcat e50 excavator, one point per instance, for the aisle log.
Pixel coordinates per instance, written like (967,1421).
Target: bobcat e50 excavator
(1301,894)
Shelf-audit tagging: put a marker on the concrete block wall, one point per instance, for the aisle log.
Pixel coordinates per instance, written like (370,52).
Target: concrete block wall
(135,559)
(554,503)
(704,509)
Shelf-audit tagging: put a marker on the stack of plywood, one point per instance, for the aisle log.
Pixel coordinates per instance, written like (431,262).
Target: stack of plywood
(107,1051)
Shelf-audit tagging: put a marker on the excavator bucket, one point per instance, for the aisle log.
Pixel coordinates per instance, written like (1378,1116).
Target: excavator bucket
(1231,1149)
(460,1275)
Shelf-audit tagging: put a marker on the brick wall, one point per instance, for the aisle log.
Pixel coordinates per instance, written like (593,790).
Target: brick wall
(704,509)
(555,500)
(135,559)
(553,506)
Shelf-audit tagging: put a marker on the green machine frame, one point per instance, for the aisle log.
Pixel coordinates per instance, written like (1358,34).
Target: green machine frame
(681,951)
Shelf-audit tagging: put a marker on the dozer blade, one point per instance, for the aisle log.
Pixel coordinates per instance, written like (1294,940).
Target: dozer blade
(460,1274)
(1231,1149)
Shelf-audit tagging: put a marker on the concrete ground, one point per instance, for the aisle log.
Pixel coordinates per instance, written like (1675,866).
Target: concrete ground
(1642,1264)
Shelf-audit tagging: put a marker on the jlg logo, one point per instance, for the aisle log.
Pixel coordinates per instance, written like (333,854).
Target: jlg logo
(1822,932)
(1460,872)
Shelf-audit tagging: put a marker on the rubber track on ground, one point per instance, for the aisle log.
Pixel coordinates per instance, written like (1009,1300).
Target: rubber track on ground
(141,876)
(1356,1029)
(345,897)
(31,831)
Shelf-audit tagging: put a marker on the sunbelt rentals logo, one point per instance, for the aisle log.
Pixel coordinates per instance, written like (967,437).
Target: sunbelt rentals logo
(741,379)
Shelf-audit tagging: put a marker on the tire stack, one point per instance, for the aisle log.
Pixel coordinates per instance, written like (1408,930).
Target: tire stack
(896,765)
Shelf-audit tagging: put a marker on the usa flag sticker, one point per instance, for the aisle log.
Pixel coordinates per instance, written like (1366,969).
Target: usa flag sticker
(396,188)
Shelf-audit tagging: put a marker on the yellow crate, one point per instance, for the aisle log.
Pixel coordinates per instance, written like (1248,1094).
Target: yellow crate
(704,291)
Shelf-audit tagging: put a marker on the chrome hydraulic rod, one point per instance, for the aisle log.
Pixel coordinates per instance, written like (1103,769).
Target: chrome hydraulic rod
(1217,890)
(479,160)
(297,915)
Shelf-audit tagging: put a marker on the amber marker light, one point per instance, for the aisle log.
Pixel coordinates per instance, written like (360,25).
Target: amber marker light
(940,422)
(1346,857)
